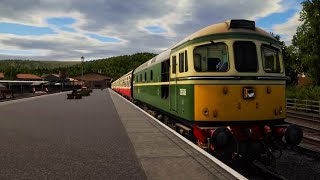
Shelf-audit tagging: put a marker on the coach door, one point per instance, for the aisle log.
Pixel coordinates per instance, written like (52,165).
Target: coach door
(165,79)
(173,84)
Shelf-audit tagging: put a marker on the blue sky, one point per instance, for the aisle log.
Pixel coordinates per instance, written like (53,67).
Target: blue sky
(69,29)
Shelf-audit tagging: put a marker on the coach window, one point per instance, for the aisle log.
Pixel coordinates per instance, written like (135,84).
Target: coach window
(211,57)
(245,56)
(151,75)
(174,64)
(270,59)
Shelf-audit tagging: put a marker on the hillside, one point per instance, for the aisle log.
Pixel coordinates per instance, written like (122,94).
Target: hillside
(35,64)
(113,67)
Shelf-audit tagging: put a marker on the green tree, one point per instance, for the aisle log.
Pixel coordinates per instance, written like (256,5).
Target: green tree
(291,60)
(307,39)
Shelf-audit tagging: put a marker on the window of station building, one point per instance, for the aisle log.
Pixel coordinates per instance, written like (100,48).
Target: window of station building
(245,56)
(211,57)
(270,59)
(151,75)
(174,64)
(140,77)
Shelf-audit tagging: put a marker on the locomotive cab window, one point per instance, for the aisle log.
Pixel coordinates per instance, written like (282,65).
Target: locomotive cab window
(245,56)
(270,59)
(211,58)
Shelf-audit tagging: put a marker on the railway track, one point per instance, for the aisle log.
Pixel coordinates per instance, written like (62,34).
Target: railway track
(304,116)
(310,123)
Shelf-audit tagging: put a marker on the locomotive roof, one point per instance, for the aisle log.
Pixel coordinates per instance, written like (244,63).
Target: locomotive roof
(229,26)
(224,27)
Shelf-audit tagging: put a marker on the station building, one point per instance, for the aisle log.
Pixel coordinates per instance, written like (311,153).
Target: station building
(94,80)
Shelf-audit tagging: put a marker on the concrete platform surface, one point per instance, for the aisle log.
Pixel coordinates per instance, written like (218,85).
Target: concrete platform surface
(50,137)
(162,153)
(101,136)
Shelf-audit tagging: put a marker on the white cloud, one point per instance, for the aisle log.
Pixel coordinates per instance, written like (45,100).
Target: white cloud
(288,29)
(274,7)
(124,20)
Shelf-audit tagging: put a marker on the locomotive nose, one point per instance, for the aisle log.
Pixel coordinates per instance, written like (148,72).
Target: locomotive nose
(221,137)
(293,135)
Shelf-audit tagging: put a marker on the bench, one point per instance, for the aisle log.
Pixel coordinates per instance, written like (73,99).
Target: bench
(78,96)
(70,96)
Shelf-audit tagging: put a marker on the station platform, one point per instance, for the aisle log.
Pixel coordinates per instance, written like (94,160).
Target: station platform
(102,136)
(161,151)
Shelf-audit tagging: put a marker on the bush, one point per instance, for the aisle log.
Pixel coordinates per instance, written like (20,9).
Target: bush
(85,92)
(303,93)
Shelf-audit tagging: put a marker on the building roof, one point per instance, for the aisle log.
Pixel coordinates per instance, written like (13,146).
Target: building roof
(93,77)
(1,75)
(28,76)
(46,75)
(72,79)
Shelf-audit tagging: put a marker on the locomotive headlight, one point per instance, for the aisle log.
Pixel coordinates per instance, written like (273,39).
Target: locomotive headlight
(248,93)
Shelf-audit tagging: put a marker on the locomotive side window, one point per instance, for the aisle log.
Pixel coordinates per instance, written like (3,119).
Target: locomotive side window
(145,76)
(174,64)
(211,58)
(245,56)
(185,61)
(181,62)
(270,59)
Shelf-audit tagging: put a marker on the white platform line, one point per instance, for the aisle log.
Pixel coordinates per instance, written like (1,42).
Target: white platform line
(215,160)
(29,98)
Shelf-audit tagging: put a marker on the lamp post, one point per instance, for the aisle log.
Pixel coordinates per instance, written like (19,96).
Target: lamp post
(82,60)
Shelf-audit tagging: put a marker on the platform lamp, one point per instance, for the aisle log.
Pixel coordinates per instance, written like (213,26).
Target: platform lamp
(82,60)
